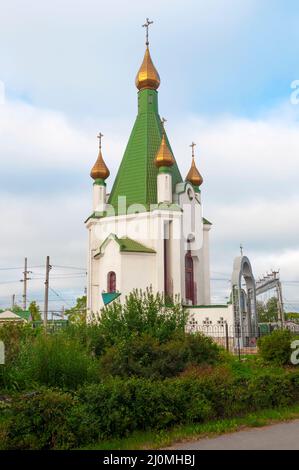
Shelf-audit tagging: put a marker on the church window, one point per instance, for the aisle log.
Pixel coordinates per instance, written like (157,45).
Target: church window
(189,278)
(111,282)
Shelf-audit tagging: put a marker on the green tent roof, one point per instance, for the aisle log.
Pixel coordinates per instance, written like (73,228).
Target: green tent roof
(137,175)
(126,244)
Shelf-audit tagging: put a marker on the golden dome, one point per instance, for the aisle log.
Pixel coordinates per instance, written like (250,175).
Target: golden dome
(194,176)
(99,169)
(164,156)
(147,76)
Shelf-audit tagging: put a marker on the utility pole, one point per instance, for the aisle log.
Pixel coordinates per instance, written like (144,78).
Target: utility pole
(13,300)
(24,280)
(46,306)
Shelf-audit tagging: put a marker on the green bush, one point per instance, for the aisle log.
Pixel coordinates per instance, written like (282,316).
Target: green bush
(46,419)
(51,419)
(276,347)
(144,356)
(14,336)
(54,361)
(142,313)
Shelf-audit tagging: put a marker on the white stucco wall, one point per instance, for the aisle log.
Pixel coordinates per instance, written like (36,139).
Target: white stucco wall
(164,187)
(214,314)
(142,270)
(137,269)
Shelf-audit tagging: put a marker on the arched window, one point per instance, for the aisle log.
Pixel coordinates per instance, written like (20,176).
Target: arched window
(111,282)
(189,277)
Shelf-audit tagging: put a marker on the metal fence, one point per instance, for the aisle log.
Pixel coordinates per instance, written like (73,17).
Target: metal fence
(238,340)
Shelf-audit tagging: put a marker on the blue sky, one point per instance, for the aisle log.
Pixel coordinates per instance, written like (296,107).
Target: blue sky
(226,70)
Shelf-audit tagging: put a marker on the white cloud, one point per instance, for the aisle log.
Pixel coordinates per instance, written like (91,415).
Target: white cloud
(43,139)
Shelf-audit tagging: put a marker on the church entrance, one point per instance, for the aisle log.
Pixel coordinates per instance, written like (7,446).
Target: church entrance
(189,278)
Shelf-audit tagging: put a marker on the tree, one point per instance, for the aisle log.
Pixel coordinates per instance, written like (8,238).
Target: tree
(77,314)
(293,316)
(268,313)
(34,311)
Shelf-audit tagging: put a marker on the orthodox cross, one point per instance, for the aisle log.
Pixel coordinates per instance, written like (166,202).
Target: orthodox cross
(99,136)
(193,145)
(146,25)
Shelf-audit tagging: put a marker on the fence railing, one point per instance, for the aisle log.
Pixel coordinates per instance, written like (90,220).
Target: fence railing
(238,340)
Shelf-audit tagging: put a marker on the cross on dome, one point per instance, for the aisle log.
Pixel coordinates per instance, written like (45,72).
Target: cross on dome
(99,136)
(146,25)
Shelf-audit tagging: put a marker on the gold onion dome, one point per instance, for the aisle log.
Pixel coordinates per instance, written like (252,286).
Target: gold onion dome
(194,176)
(147,76)
(164,156)
(99,169)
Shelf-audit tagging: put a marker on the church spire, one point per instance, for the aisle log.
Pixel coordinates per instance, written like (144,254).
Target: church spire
(194,177)
(147,76)
(137,176)
(99,170)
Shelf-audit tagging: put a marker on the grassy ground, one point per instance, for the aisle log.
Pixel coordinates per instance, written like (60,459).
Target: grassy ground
(166,438)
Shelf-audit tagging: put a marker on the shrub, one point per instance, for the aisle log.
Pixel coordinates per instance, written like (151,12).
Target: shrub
(89,336)
(43,420)
(276,348)
(144,356)
(142,313)
(55,361)
(51,419)
(14,336)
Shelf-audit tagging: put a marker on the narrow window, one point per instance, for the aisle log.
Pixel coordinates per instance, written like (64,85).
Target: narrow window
(111,282)
(189,278)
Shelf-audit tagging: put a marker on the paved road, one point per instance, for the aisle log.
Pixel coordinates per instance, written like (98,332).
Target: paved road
(284,436)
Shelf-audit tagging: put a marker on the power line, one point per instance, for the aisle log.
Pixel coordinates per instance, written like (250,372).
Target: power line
(19,267)
(58,295)
(69,267)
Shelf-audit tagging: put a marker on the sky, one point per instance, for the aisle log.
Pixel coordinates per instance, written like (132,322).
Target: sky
(227,69)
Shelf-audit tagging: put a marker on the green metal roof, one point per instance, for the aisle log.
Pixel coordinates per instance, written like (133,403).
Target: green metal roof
(126,244)
(137,175)
(206,221)
(108,297)
(25,314)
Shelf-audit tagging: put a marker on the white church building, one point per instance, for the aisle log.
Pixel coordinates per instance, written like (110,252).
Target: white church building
(149,230)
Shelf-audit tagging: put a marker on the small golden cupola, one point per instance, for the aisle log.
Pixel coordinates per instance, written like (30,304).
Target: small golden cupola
(164,157)
(147,76)
(99,170)
(194,177)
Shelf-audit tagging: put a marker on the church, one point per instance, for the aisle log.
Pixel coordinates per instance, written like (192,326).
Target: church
(148,230)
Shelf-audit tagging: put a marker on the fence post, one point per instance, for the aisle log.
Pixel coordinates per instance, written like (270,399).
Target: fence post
(226,337)
(239,333)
